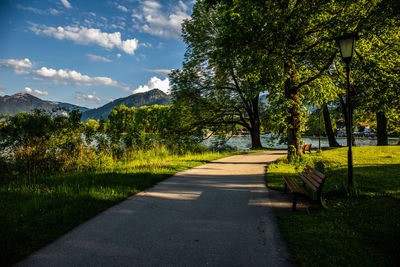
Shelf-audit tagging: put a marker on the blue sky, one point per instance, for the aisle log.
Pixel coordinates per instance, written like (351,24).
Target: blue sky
(89,52)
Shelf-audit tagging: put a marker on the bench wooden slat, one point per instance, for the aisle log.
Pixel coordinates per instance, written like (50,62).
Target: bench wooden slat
(313,176)
(321,175)
(311,183)
(294,186)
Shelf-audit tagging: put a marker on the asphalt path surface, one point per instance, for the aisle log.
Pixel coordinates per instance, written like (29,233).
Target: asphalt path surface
(217,214)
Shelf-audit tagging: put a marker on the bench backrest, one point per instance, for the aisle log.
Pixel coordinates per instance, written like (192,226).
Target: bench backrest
(313,178)
(306,147)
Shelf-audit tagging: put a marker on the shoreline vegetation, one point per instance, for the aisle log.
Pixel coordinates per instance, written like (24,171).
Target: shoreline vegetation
(57,172)
(34,211)
(359,227)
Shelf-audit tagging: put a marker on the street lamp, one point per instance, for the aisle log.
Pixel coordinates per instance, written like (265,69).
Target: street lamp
(346,45)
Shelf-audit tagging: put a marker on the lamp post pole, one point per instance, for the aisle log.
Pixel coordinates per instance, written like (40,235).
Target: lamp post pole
(346,45)
(319,128)
(349,129)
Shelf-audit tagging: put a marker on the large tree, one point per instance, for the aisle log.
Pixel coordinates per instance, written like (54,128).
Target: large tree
(237,49)
(220,79)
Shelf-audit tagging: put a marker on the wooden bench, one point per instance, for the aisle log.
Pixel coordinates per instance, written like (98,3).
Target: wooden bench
(311,177)
(306,147)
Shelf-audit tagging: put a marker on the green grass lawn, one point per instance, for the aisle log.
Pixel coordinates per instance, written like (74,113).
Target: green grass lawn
(359,227)
(36,212)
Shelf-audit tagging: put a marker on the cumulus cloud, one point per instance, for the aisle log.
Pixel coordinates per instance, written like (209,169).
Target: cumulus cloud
(76,78)
(124,9)
(88,36)
(161,71)
(151,19)
(16,63)
(89,97)
(97,58)
(66,4)
(34,92)
(24,66)
(19,66)
(154,83)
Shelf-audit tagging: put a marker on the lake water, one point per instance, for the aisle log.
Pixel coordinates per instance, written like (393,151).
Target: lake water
(244,142)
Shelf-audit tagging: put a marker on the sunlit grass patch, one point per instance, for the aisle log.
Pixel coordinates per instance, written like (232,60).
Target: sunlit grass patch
(359,227)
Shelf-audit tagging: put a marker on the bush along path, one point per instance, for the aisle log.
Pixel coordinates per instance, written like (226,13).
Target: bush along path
(360,227)
(216,214)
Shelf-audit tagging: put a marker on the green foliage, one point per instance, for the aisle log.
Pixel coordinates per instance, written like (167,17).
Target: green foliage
(286,49)
(149,127)
(40,142)
(44,142)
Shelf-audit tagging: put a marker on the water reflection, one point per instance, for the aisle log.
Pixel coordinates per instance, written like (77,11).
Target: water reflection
(244,142)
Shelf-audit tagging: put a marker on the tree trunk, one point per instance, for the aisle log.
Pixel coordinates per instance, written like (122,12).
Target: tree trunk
(255,138)
(255,124)
(292,95)
(328,127)
(381,129)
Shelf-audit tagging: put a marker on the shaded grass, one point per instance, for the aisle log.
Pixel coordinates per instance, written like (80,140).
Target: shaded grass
(35,211)
(359,227)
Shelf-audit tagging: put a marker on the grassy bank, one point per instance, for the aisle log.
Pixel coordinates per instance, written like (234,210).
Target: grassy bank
(36,210)
(357,228)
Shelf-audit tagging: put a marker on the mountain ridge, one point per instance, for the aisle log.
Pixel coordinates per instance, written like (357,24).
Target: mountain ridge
(24,102)
(149,98)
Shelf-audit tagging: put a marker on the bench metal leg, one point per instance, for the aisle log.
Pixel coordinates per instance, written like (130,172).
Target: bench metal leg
(294,202)
(285,189)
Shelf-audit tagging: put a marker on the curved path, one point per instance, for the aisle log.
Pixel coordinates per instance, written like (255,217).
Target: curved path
(217,214)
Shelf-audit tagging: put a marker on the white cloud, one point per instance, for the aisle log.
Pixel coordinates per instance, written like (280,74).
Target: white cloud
(16,63)
(161,71)
(87,36)
(32,9)
(54,11)
(154,83)
(97,58)
(124,9)
(76,78)
(151,19)
(19,66)
(24,66)
(50,11)
(89,97)
(146,45)
(66,4)
(152,4)
(34,92)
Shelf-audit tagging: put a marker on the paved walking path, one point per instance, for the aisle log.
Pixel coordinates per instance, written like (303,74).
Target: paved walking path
(217,214)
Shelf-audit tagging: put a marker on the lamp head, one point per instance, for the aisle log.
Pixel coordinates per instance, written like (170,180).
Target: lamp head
(346,45)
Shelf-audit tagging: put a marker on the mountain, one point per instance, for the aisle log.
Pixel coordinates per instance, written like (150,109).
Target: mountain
(23,102)
(148,98)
